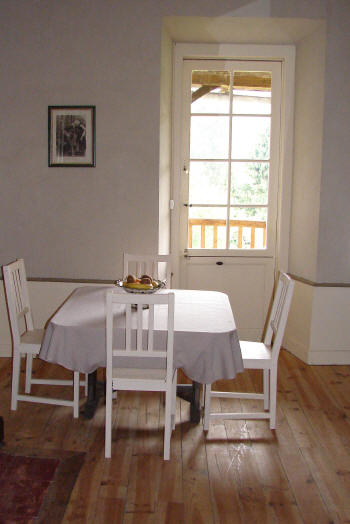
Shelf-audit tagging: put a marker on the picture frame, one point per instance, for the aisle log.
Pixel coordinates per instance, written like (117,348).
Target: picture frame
(71,136)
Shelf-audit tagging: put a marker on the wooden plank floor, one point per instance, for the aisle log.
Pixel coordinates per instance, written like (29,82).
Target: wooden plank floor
(240,472)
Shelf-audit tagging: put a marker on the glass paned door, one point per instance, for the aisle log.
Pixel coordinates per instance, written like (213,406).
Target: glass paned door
(231,159)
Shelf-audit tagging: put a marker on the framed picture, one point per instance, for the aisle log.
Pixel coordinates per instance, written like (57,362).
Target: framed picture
(72,136)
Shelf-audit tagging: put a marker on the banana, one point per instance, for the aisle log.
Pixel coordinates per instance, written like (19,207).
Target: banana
(137,285)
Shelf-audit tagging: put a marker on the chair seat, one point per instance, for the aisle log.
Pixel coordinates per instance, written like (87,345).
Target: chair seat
(139,379)
(139,374)
(256,355)
(34,338)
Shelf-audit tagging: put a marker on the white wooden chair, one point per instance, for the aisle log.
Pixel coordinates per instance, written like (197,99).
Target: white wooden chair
(156,266)
(27,340)
(260,355)
(138,345)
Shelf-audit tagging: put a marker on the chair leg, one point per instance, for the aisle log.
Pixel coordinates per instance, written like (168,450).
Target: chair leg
(273,397)
(29,368)
(266,383)
(173,400)
(202,396)
(76,385)
(16,364)
(86,384)
(167,428)
(108,422)
(2,431)
(207,397)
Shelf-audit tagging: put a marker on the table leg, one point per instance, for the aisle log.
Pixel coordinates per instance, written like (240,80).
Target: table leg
(191,393)
(195,408)
(2,432)
(92,397)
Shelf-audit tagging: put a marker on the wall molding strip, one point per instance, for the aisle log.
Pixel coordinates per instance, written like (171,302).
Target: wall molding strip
(319,284)
(71,280)
(107,281)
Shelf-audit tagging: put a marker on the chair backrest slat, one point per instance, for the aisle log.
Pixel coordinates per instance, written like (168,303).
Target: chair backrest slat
(17,296)
(139,326)
(279,314)
(150,328)
(139,329)
(17,290)
(128,327)
(156,266)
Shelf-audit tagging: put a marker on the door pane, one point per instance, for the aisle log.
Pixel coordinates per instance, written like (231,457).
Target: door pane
(249,182)
(210,92)
(248,227)
(207,228)
(250,137)
(251,92)
(227,153)
(248,213)
(209,137)
(208,182)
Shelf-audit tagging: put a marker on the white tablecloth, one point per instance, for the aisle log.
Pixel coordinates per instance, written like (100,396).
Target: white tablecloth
(206,344)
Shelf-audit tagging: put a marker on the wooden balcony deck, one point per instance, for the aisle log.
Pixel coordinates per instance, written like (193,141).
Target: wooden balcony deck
(240,225)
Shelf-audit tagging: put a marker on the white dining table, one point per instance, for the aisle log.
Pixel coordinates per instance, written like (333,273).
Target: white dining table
(206,344)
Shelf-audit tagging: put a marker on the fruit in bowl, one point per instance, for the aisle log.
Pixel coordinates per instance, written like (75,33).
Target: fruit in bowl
(145,282)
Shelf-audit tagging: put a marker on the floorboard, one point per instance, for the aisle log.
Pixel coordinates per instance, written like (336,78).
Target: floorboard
(239,472)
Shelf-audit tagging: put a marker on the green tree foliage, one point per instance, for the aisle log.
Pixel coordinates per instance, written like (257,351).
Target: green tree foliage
(254,189)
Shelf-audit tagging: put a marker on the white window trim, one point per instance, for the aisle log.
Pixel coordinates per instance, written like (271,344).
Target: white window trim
(284,53)
(236,65)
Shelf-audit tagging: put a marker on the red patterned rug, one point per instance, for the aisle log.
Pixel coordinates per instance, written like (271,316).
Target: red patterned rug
(35,485)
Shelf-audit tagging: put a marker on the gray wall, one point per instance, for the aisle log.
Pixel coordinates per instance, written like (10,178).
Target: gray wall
(76,222)
(334,237)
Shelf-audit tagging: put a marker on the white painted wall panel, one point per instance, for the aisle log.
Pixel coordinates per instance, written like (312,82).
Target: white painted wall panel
(318,328)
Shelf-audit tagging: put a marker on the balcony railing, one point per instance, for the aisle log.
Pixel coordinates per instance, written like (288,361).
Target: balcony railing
(240,225)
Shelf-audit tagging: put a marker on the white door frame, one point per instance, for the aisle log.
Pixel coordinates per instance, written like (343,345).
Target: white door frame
(284,53)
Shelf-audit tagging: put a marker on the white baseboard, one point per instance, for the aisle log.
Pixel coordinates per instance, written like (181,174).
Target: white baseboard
(318,329)
(329,358)
(325,357)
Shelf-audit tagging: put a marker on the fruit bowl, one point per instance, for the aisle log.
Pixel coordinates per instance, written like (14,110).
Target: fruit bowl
(140,288)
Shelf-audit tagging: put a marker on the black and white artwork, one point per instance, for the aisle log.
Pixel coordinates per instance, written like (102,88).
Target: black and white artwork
(71,136)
